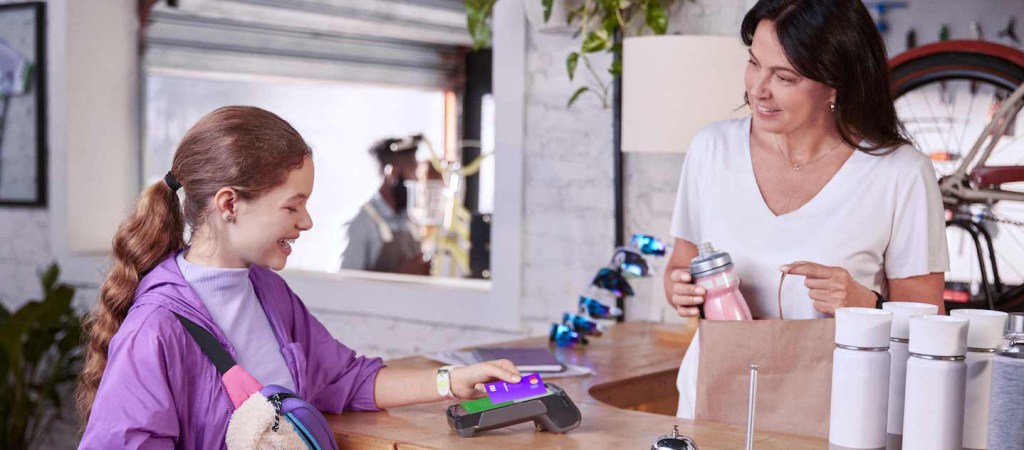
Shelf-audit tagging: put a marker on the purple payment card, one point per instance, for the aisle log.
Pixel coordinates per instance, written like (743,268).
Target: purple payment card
(529,386)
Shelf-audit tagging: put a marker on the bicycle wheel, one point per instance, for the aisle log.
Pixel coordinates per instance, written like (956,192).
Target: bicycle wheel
(946,94)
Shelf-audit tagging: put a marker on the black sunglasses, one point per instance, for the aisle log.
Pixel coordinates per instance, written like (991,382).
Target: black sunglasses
(613,281)
(630,262)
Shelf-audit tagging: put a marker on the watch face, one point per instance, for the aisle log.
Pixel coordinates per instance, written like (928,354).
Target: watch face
(444,382)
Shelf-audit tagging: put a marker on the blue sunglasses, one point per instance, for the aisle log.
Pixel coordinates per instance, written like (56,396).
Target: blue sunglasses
(583,325)
(648,245)
(564,336)
(598,310)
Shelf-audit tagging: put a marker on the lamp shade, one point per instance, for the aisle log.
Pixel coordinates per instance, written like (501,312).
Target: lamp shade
(672,86)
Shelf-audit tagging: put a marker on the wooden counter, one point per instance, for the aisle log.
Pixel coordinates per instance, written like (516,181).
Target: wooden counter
(626,404)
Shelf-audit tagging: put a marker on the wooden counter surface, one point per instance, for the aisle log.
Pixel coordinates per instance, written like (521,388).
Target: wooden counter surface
(626,404)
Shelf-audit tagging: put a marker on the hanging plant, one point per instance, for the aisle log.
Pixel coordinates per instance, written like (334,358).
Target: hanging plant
(598,22)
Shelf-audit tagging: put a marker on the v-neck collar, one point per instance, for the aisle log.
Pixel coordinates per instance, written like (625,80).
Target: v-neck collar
(825,191)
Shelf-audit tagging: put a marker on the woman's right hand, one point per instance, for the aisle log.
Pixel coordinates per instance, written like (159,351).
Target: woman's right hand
(686,296)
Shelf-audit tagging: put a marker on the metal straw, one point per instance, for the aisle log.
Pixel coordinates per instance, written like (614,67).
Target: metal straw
(751,406)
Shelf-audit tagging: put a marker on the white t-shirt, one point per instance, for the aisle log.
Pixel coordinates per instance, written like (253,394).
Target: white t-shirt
(879,217)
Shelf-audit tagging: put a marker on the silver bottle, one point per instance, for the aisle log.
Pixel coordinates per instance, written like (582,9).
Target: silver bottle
(1006,412)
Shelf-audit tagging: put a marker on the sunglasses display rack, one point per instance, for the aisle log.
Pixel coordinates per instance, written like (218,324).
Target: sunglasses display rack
(609,282)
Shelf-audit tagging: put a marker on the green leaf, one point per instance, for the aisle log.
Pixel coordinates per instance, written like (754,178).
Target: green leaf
(610,23)
(576,95)
(49,278)
(5,367)
(477,14)
(571,62)
(657,17)
(37,344)
(596,41)
(548,5)
(616,68)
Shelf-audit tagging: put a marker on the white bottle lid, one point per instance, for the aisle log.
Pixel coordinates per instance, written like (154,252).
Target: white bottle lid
(986,330)
(938,335)
(903,311)
(863,327)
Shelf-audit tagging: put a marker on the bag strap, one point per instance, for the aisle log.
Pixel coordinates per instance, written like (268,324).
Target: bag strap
(781,280)
(209,344)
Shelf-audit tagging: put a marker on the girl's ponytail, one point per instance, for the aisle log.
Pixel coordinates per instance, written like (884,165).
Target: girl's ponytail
(145,238)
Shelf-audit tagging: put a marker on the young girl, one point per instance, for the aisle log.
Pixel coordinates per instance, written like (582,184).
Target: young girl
(246,176)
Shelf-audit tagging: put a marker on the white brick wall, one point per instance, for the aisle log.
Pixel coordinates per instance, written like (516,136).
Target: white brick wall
(568,199)
(24,252)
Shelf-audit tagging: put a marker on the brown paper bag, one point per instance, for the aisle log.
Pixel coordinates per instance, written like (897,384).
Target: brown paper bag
(794,377)
(794,380)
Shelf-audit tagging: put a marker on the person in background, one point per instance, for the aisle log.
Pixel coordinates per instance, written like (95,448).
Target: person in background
(819,181)
(246,176)
(381,237)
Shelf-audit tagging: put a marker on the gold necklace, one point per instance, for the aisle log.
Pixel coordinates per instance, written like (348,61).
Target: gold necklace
(797,167)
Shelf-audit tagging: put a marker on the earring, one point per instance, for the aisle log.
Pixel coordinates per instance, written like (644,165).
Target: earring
(229,218)
(832,106)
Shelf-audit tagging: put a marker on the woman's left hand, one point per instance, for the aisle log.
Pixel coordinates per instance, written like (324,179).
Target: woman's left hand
(831,287)
(468,381)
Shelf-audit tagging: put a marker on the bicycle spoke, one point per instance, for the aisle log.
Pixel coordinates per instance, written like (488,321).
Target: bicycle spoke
(967,122)
(920,132)
(951,111)
(943,139)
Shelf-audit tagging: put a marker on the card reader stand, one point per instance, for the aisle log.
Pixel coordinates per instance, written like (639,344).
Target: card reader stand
(554,412)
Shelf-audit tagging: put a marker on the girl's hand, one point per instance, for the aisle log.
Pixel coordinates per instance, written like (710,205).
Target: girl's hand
(686,296)
(831,287)
(468,381)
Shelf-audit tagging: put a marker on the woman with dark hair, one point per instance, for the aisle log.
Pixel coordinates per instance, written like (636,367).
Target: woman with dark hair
(819,181)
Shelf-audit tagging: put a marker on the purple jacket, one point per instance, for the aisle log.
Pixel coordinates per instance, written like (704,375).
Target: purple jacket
(160,391)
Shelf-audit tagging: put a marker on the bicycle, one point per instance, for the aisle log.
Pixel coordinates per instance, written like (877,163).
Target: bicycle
(937,88)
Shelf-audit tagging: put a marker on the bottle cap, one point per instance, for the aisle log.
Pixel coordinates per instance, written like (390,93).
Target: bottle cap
(708,259)
(986,329)
(938,335)
(903,311)
(1015,326)
(863,327)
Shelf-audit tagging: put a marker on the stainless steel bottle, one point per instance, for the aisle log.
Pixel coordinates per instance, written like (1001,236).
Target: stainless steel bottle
(1006,411)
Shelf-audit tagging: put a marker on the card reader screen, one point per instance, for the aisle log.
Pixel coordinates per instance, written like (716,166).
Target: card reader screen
(484,404)
(481,404)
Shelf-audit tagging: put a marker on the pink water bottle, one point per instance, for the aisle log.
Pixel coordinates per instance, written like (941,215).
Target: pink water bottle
(714,272)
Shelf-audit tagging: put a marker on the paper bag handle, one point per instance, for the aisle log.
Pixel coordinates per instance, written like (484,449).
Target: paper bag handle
(781,280)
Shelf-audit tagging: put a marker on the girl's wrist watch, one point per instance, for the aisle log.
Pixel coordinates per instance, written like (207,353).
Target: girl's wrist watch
(444,382)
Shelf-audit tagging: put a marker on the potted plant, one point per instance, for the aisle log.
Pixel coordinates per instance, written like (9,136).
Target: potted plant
(40,359)
(600,23)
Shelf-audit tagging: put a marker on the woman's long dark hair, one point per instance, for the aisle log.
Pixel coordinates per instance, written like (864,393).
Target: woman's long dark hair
(834,42)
